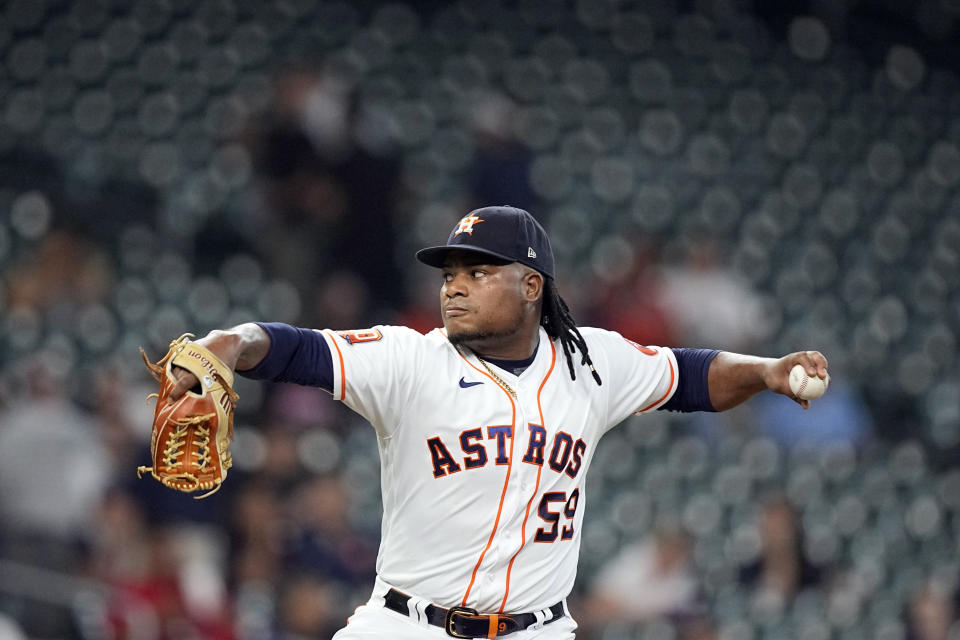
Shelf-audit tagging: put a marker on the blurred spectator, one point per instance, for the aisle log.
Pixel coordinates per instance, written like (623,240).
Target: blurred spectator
(281,466)
(332,186)
(422,311)
(343,301)
(323,540)
(299,408)
(500,171)
(10,630)
(633,304)
(257,530)
(163,582)
(119,542)
(256,534)
(931,614)
(53,468)
(64,270)
(839,417)
(308,609)
(183,588)
(125,422)
(782,570)
(709,304)
(698,628)
(650,579)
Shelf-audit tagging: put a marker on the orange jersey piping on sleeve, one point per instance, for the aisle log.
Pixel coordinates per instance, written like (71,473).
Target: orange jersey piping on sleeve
(343,377)
(666,395)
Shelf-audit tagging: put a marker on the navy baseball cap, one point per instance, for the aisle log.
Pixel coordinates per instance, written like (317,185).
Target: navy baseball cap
(507,233)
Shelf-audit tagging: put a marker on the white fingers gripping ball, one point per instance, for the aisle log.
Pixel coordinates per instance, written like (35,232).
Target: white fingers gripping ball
(805,387)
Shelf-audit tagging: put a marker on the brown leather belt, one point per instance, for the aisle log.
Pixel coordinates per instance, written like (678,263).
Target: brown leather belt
(462,622)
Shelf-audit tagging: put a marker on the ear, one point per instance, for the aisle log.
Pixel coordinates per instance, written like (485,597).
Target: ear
(532,286)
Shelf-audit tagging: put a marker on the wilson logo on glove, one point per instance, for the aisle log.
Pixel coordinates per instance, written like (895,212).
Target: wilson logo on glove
(191,436)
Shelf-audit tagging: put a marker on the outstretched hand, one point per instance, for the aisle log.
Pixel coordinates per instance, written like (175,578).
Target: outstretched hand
(241,348)
(777,375)
(219,344)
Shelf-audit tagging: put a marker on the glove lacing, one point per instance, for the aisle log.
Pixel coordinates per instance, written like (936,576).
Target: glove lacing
(176,440)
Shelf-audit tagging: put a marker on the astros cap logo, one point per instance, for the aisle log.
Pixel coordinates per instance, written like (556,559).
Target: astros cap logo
(466,224)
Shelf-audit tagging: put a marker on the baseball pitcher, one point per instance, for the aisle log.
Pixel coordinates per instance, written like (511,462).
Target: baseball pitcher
(486,429)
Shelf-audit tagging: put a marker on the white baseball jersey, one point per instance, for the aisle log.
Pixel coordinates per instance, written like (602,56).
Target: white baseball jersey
(483,493)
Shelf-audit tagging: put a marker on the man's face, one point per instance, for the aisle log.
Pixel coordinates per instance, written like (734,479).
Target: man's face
(481,301)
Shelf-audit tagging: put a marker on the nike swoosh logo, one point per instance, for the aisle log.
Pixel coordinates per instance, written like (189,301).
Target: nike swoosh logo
(466,385)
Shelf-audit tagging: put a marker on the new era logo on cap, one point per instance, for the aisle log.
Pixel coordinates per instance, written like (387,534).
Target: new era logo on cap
(505,233)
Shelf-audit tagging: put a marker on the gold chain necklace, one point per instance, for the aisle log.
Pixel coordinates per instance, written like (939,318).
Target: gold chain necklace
(497,378)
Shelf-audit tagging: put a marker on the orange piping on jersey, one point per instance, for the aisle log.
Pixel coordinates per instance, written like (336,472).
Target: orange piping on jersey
(536,488)
(664,396)
(343,378)
(506,482)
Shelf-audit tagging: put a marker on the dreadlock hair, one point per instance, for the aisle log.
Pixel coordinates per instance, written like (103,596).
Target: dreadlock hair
(559,324)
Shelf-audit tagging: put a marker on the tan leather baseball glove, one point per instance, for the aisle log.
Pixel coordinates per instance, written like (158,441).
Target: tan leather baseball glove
(191,436)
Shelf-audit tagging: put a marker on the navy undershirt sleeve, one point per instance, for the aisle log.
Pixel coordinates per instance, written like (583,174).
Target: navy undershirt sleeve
(296,355)
(693,393)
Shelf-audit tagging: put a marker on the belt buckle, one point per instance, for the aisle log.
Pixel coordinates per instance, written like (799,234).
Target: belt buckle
(450,622)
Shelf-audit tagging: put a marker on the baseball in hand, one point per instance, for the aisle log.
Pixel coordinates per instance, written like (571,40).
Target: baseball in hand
(806,387)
